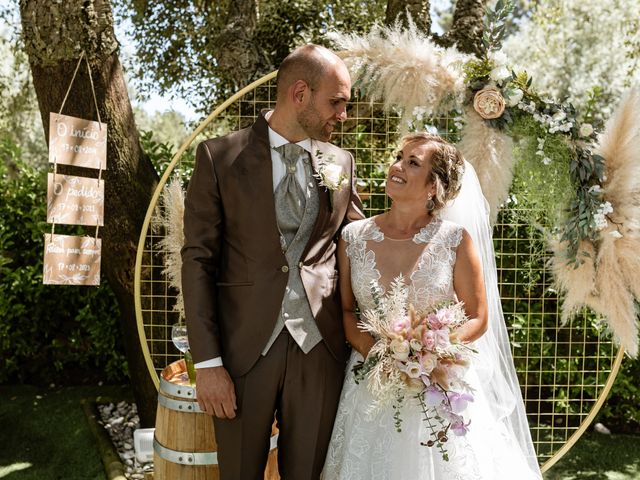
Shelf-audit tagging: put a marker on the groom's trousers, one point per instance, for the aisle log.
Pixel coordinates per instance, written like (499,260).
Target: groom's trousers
(303,391)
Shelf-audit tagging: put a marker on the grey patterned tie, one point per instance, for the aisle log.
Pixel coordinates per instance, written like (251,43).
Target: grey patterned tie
(289,196)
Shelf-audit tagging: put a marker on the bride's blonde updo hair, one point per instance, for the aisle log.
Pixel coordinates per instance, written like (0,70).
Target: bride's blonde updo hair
(447,166)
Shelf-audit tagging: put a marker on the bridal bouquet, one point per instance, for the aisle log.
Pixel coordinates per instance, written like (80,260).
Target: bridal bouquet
(418,355)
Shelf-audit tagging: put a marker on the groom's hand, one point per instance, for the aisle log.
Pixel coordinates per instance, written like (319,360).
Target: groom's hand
(215,392)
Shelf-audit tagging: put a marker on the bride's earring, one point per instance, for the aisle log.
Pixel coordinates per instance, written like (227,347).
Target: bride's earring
(430,204)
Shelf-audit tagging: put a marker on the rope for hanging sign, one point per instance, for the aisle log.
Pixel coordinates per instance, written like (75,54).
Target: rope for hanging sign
(95,102)
(75,72)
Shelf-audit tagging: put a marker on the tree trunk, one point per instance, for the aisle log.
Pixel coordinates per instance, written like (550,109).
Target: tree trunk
(55,33)
(236,48)
(467,27)
(400,10)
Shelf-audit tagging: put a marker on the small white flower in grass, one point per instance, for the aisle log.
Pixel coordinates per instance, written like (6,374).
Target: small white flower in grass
(586,129)
(546,160)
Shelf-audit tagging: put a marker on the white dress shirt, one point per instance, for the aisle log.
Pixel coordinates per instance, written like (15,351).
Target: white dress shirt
(278,170)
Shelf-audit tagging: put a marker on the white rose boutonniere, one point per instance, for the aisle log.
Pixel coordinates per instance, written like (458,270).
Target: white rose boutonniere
(330,175)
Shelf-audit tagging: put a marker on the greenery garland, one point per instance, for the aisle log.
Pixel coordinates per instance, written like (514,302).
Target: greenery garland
(563,145)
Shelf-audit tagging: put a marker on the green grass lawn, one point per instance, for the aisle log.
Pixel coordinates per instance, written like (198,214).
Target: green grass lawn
(599,457)
(44,435)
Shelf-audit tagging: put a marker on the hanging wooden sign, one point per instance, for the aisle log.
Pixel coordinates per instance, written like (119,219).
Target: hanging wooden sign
(70,260)
(75,200)
(78,142)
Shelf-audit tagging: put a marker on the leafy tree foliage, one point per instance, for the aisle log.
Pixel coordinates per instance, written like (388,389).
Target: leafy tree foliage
(184,49)
(19,114)
(586,51)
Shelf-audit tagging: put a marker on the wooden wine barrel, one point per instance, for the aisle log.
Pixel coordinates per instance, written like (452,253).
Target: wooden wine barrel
(184,442)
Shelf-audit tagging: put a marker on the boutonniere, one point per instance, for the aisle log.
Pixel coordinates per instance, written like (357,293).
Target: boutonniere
(330,175)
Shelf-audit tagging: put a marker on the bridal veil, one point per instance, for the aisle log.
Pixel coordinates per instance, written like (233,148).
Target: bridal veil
(494,363)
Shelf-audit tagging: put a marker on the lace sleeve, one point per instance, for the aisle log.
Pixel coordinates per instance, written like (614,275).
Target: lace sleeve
(449,235)
(353,231)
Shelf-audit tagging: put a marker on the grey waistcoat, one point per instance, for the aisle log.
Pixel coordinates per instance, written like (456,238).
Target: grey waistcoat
(295,313)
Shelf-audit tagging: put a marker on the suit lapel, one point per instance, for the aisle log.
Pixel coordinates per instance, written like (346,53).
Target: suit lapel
(255,159)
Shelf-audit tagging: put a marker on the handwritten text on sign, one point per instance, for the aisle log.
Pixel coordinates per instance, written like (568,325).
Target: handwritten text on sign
(70,260)
(75,200)
(79,142)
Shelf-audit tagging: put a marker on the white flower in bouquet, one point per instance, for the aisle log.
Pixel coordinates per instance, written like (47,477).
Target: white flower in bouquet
(413,370)
(429,361)
(415,344)
(400,349)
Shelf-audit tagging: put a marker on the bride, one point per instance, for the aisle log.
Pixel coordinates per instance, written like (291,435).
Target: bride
(439,261)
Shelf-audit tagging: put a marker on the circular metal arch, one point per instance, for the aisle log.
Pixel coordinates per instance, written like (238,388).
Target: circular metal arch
(551,441)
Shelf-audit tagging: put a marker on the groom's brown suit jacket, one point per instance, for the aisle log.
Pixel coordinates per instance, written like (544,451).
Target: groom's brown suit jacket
(234,272)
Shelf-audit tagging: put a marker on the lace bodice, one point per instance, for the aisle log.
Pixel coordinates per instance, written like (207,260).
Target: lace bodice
(426,261)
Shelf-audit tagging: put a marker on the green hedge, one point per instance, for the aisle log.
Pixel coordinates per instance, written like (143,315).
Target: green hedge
(48,334)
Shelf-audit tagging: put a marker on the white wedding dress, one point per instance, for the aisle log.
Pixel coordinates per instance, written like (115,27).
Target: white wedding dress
(365,444)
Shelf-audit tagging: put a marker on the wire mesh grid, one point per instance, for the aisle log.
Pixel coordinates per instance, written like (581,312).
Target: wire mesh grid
(562,369)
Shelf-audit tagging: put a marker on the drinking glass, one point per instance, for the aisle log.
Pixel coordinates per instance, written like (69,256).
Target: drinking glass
(179,337)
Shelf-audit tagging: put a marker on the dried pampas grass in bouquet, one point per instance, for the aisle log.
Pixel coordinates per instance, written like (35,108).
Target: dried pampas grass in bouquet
(403,69)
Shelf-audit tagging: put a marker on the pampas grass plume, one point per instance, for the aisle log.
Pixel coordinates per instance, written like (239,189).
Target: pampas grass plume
(578,284)
(171,244)
(491,154)
(404,69)
(614,299)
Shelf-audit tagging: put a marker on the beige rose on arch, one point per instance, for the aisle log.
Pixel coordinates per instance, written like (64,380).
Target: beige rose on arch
(489,103)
